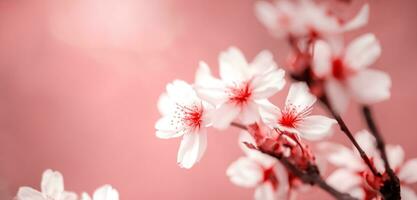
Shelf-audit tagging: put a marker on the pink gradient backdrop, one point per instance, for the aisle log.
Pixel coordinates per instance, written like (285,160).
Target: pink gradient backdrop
(79,81)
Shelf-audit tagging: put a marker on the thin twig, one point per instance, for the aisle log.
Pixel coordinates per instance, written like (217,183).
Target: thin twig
(241,126)
(348,133)
(311,176)
(394,188)
(307,78)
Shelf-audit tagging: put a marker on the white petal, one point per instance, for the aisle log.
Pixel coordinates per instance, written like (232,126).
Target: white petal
(245,137)
(263,62)
(267,15)
(367,141)
(68,196)
(224,115)
(315,127)
(209,88)
(337,95)
(408,172)
(316,17)
(265,192)
(395,154)
(250,113)
(181,92)
(208,113)
(193,146)
(106,192)
(165,105)
(300,96)
(370,86)
(166,130)
(282,177)
(266,161)
(269,112)
(322,60)
(245,172)
(233,66)
(27,193)
(362,52)
(204,77)
(361,19)
(336,44)
(408,193)
(52,183)
(341,156)
(368,144)
(344,180)
(202,144)
(85,196)
(214,96)
(266,85)
(358,193)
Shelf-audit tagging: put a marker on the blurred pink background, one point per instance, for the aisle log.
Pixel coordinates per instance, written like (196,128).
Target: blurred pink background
(79,82)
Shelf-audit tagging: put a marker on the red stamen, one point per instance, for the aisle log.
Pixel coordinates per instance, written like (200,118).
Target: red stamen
(290,116)
(240,95)
(187,117)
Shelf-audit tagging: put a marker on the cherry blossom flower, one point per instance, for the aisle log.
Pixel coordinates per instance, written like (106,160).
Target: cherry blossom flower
(354,177)
(260,171)
(262,137)
(346,75)
(106,192)
(52,188)
(305,18)
(184,114)
(296,116)
(243,88)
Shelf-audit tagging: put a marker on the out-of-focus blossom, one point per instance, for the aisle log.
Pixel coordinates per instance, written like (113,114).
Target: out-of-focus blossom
(243,88)
(260,171)
(295,117)
(106,192)
(354,177)
(280,144)
(52,188)
(184,114)
(305,18)
(346,75)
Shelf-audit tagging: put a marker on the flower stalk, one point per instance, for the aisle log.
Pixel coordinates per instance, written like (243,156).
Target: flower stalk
(348,133)
(310,175)
(307,78)
(391,189)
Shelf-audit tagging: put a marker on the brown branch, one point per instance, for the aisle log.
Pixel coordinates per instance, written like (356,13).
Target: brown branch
(306,76)
(392,186)
(310,176)
(348,133)
(241,126)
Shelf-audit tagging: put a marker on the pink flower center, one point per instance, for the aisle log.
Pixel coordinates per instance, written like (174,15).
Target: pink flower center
(241,94)
(269,176)
(187,118)
(290,116)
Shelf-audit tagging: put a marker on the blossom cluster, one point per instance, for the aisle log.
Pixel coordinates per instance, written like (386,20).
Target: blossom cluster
(277,160)
(52,188)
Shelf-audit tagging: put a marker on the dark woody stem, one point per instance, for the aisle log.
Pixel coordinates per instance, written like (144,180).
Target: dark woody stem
(391,189)
(309,176)
(348,133)
(393,184)
(306,76)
